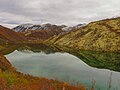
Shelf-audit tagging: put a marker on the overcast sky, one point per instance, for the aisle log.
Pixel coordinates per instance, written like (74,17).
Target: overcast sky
(69,12)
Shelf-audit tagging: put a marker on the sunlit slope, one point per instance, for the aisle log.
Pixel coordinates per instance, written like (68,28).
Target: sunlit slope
(101,35)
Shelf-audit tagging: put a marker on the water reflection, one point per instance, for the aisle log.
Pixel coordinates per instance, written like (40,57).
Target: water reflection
(105,60)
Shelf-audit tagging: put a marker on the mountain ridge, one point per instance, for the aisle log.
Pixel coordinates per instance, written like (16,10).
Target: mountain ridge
(27,27)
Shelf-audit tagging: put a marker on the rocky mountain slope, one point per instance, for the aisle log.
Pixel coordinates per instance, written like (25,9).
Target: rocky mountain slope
(45,31)
(27,27)
(36,32)
(68,29)
(23,27)
(8,35)
(101,35)
(32,27)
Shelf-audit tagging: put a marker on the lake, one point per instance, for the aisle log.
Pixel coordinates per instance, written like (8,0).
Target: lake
(88,68)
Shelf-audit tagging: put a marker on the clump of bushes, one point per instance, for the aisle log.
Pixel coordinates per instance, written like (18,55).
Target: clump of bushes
(19,81)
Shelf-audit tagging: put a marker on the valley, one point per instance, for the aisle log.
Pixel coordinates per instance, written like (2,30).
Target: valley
(33,53)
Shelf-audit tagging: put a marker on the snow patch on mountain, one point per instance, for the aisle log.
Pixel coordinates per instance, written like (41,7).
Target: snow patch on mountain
(32,27)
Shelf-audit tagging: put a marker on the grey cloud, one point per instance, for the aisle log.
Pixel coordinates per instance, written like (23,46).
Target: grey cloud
(68,12)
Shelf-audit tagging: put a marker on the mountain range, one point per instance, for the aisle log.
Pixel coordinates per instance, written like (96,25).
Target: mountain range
(33,27)
(44,31)
(103,35)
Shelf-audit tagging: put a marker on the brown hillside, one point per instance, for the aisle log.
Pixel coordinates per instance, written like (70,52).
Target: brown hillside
(8,35)
(42,34)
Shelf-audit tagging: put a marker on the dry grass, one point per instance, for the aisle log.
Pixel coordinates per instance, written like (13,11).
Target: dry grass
(18,81)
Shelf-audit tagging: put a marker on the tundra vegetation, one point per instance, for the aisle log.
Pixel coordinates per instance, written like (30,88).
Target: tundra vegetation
(101,35)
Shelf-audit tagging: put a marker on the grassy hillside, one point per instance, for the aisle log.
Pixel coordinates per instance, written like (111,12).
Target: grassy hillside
(8,35)
(101,35)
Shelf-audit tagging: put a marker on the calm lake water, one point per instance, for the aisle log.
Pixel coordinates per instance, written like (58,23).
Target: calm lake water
(64,66)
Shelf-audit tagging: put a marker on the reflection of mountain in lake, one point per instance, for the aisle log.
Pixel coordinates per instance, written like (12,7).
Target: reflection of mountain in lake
(38,48)
(105,60)
(8,49)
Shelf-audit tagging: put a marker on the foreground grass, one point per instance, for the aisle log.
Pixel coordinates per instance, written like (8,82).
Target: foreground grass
(18,81)
(12,80)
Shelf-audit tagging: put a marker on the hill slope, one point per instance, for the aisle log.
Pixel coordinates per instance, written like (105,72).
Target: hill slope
(101,35)
(7,35)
